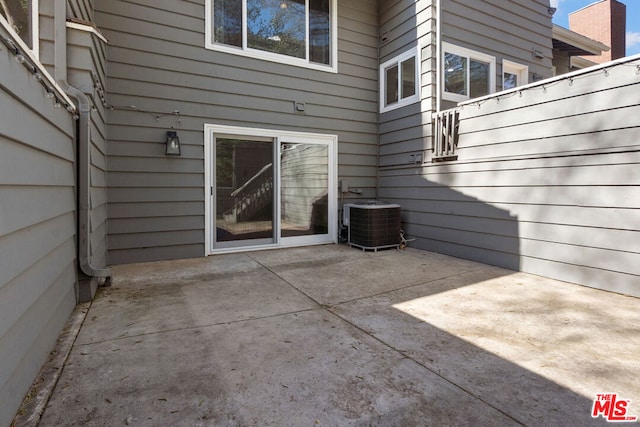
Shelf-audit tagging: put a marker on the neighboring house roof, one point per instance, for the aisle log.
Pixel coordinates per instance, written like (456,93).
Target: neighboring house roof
(575,44)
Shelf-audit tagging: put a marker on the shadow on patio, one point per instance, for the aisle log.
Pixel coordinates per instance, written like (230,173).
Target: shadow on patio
(330,335)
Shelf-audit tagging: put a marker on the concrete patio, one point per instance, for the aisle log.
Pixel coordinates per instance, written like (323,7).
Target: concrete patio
(332,336)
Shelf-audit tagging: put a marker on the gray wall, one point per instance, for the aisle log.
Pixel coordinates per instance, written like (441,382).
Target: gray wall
(561,61)
(86,64)
(407,24)
(546,183)
(37,228)
(47,35)
(507,31)
(80,9)
(86,60)
(158,63)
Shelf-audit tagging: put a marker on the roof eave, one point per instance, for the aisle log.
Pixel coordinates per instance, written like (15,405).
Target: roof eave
(575,43)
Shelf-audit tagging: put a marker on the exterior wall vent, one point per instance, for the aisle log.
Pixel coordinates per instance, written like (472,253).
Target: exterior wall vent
(373,225)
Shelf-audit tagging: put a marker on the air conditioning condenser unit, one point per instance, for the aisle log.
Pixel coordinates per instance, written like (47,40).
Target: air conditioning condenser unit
(373,225)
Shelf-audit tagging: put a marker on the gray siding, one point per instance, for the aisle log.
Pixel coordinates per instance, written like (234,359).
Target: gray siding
(158,63)
(37,228)
(506,31)
(546,183)
(561,62)
(407,24)
(87,72)
(80,9)
(47,34)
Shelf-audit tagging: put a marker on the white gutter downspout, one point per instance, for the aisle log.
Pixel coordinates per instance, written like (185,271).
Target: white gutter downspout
(83,139)
(438,55)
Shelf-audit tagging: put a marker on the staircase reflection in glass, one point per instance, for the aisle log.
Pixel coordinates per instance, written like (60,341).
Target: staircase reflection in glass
(244,191)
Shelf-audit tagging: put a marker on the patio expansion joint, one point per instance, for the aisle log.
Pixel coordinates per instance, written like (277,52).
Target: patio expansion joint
(328,308)
(196,327)
(291,285)
(405,355)
(412,285)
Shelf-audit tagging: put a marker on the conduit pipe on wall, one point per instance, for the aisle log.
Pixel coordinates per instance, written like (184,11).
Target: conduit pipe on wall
(83,140)
(438,55)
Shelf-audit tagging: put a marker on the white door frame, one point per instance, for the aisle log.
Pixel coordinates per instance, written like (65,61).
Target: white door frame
(331,141)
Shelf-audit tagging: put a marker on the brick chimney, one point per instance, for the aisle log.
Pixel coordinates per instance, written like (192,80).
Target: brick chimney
(606,22)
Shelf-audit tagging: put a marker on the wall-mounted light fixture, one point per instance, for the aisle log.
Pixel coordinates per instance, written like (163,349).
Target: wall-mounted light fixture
(173,144)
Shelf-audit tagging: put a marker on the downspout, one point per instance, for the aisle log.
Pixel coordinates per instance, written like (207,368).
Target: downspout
(379,115)
(438,55)
(84,189)
(83,141)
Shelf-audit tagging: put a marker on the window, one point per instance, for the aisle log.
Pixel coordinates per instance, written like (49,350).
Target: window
(467,74)
(20,15)
(400,81)
(514,75)
(297,32)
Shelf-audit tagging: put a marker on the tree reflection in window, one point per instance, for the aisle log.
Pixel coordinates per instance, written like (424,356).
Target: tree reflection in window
(319,32)
(478,78)
(455,74)
(276,26)
(225,174)
(17,13)
(510,81)
(464,76)
(227,22)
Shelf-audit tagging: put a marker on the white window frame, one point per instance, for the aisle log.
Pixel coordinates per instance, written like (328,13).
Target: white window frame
(396,61)
(34,30)
(522,71)
(278,136)
(276,57)
(469,54)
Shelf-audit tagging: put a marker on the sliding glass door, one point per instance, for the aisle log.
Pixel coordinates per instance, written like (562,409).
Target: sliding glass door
(244,184)
(269,188)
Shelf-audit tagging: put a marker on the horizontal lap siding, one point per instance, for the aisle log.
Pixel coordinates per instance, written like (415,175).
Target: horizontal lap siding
(490,26)
(87,72)
(37,228)
(547,183)
(507,30)
(46,33)
(158,63)
(403,131)
(80,9)
(98,167)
